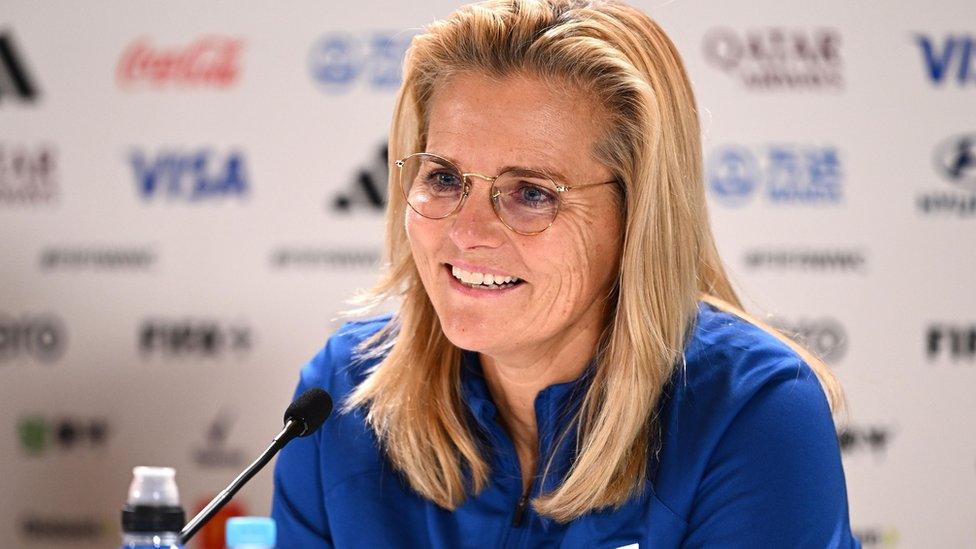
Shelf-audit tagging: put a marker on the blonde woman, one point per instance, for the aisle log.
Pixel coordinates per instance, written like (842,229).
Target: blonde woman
(568,364)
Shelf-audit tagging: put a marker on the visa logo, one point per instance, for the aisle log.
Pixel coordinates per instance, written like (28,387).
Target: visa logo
(950,59)
(189,176)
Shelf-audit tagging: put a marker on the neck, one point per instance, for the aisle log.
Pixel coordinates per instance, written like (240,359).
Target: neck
(515,379)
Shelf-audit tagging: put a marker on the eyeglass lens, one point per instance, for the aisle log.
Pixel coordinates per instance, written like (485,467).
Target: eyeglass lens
(525,201)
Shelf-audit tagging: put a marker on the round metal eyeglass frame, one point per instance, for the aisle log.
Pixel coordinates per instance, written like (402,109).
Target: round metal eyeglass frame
(492,194)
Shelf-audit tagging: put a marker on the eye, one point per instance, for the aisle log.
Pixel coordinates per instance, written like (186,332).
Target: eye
(445,177)
(533,195)
(439,178)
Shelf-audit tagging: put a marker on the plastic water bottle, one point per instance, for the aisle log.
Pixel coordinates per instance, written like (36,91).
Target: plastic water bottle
(152,516)
(251,533)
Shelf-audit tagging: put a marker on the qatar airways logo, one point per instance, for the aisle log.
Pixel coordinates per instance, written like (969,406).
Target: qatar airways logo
(28,174)
(211,62)
(776,58)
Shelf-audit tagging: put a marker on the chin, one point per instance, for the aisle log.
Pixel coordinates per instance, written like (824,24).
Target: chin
(473,332)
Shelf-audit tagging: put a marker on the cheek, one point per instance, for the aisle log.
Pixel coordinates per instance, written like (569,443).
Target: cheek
(422,237)
(584,262)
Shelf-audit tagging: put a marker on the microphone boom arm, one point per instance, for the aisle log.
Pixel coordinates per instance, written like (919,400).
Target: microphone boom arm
(293,428)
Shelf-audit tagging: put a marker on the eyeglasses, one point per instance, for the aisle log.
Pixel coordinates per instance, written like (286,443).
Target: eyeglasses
(525,201)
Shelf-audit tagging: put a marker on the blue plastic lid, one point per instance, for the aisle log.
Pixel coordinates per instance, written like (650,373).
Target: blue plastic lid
(251,532)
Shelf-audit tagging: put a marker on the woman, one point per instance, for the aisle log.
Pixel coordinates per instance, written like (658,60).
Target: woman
(569,365)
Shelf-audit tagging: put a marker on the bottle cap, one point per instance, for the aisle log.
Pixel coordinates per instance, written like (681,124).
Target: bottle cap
(251,532)
(153,486)
(153,504)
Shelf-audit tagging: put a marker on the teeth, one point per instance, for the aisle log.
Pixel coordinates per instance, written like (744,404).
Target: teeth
(481,278)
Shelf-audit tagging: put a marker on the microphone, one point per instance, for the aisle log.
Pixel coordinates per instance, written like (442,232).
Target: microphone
(302,418)
(310,410)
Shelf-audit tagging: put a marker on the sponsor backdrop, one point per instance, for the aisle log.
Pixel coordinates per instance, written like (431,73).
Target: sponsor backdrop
(189,194)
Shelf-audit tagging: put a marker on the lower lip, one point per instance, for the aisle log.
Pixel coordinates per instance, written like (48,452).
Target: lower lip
(478,292)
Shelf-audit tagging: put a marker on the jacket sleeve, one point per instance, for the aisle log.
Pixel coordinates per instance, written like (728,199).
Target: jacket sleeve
(775,477)
(297,506)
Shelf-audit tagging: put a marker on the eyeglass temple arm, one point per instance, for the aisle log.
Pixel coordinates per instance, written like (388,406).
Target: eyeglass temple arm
(563,188)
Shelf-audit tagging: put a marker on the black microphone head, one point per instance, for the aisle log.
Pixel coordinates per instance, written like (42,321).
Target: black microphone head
(311,408)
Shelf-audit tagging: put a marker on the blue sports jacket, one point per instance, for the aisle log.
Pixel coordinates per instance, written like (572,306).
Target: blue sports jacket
(749,458)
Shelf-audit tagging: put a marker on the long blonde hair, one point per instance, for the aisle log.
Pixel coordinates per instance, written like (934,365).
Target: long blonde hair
(623,60)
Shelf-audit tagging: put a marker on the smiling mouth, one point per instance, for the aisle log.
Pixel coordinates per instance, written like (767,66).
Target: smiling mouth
(483,281)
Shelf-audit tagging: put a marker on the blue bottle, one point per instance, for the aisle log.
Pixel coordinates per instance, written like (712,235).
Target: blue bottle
(251,533)
(152,517)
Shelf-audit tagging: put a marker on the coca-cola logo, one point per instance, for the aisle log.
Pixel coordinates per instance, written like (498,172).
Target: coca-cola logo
(211,61)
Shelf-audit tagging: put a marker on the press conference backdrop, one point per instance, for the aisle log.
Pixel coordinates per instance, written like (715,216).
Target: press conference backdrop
(190,192)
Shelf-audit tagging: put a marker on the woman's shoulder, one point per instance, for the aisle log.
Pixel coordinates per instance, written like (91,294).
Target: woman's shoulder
(732,369)
(729,355)
(747,415)
(339,366)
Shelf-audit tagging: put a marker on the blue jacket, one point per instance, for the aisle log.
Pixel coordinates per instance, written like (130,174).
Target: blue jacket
(750,458)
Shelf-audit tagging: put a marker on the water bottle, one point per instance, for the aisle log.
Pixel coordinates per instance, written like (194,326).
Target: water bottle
(251,533)
(152,516)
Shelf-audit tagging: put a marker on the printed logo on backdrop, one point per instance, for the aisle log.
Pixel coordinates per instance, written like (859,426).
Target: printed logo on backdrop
(782,174)
(40,435)
(193,337)
(825,337)
(776,58)
(366,191)
(214,452)
(827,260)
(877,536)
(91,258)
(200,175)
(37,527)
(955,343)
(207,62)
(16,80)
(41,337)
(340,62)
(328,257)
(954,159)
(862,439)
(28,174)
(948,60)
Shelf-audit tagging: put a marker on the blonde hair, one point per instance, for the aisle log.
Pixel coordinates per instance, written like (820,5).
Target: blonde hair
(623,60)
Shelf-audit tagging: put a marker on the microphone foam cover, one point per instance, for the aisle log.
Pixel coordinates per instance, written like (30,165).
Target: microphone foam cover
(311,408)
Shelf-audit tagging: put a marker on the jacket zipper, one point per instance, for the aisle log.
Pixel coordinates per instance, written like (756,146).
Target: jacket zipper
(520,508)
(520,511)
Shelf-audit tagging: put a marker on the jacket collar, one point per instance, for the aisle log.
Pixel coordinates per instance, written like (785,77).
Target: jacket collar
(555,407)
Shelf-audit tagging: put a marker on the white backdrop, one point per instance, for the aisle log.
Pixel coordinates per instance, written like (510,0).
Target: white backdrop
(188,194)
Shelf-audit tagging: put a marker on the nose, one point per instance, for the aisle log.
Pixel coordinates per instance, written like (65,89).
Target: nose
(475,224)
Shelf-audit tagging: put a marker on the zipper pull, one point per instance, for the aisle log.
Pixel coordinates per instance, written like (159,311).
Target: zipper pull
(520,507)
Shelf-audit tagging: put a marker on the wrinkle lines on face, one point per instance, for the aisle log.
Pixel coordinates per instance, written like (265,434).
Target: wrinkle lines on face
(553,320)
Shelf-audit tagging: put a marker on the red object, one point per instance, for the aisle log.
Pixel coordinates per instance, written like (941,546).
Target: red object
(212,535)
(209,61)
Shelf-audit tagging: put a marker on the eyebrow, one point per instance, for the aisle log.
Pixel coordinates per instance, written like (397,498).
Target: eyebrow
(554,174)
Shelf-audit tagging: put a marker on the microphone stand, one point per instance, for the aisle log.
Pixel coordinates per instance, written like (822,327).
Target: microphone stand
(292,429)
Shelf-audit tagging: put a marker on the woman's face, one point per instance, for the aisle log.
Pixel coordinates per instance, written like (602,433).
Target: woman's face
(486,125)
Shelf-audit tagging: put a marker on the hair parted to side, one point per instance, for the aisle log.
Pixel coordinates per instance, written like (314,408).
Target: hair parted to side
(620,58)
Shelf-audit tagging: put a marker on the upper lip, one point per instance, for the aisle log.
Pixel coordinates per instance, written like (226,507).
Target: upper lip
(472,268)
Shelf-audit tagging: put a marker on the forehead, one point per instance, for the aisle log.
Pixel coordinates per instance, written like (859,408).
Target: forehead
(485,122)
